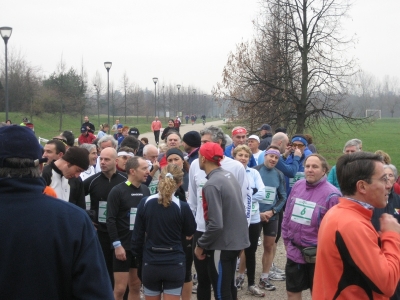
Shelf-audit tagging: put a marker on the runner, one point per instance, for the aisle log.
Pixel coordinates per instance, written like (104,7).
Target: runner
(122,205)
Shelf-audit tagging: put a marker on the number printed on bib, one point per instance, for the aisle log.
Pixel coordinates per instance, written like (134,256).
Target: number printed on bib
(269,196)
(132,218)
(297,177)
(254,208)
(102,211)
(303,211)
(153,187)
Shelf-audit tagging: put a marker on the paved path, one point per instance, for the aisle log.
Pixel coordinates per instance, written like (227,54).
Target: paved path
(183,129)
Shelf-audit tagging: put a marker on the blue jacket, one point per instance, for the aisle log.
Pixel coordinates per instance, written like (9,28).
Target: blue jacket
(291,180)
(332,177)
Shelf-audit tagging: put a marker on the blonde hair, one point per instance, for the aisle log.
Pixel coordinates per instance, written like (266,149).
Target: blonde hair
(240,148)
(169,184)
(385,157)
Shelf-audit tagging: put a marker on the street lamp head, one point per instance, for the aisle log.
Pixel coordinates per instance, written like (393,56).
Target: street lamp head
(108,65)
(155,79)
(194,91)
(178,86)
(5,33)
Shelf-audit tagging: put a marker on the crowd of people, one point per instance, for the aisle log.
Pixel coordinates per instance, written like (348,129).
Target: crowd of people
(116,217)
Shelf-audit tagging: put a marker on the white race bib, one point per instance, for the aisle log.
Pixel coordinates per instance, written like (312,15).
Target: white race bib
(87,202)
(255,208)
(303,211)
(269,195)
(297,177)
(102,211)
(132,218)
(153,187)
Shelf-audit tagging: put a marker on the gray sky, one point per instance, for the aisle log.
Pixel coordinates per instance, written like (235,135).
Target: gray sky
(178,41)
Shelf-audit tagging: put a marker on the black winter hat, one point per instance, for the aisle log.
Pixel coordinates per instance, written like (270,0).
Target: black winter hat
(192,139)
(77,156)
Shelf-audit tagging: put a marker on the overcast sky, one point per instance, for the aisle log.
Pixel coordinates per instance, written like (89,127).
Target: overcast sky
(178,41)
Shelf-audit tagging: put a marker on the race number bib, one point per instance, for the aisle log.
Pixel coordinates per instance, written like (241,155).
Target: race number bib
(87,202)
(254,208)
(153,187)
(297,177)
(102,211)
(302,211)
(132,218)
(269,195)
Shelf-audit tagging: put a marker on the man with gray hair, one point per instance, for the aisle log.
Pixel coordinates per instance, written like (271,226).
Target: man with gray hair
(105,142)
(150,154)
(59,257)
(197,179)
(351,146)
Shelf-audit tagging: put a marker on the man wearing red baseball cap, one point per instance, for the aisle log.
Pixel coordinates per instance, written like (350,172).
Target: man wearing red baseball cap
(226,224)
(239,138)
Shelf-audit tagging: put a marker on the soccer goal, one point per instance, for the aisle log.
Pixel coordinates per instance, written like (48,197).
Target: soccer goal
(373,113)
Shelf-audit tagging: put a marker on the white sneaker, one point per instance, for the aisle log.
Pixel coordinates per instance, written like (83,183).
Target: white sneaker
(255,291)
(276,277)
(277,270)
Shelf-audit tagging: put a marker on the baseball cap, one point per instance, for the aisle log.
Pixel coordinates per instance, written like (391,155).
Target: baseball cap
(18,142)
(134,131)
(254,137)
(120,126)
(212,152)
(265,127)
(83,129)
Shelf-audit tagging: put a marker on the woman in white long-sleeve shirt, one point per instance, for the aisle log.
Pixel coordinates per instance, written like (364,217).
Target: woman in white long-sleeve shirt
(242,153)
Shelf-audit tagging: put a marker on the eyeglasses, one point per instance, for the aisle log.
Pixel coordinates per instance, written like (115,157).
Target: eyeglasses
(383,179)
(297,145)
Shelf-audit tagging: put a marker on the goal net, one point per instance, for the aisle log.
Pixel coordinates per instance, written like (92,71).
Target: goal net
(373,113)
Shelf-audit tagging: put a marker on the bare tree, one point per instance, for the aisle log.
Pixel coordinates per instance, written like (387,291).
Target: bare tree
(293,72)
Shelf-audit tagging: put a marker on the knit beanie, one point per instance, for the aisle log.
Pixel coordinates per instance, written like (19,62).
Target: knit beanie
(18,142)
(192,139)
(174,151)
(77,156)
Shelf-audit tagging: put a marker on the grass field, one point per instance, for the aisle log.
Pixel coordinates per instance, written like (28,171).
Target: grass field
(383,134)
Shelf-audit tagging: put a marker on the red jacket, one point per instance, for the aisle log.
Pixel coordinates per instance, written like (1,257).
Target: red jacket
(88,139)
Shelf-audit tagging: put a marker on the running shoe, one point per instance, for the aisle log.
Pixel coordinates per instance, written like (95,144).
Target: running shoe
(266,285)
(277,270)
(259,241)
(239,283)
(255,291)
(237,264)
(194,289)
(194,278)
(275,276)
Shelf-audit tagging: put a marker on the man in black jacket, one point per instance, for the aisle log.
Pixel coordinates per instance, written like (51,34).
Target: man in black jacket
(266,136)
(89,126)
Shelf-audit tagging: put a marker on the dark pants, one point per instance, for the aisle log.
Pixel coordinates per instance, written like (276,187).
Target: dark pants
(203,281)
(108,253)
(157,136)
(221,269)
(250,252)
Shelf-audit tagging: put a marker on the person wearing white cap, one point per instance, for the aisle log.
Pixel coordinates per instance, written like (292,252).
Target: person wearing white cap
(253,142)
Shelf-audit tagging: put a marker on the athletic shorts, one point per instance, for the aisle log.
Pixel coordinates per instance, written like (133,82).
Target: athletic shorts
(270,228)
(124,265)
(299,277)
(167,279)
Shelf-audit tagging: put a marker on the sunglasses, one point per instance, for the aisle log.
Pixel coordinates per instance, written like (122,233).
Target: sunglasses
(297,145)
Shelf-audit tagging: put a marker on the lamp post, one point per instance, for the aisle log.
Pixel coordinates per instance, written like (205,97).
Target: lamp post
(155,79)
(194,97)
(108,65)
(179,87)
(6,34)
